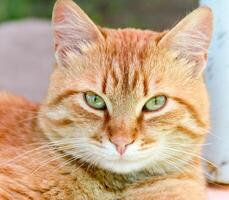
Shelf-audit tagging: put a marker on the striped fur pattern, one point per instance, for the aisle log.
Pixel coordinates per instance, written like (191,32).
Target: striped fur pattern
(126,67)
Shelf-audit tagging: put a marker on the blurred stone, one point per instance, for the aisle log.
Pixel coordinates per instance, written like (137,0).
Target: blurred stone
(26,57)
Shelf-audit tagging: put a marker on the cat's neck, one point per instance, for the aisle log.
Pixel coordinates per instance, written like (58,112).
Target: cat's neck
(116,182)
(113,182)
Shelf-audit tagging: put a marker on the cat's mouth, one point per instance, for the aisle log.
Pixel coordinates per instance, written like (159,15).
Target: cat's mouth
(124,163)
(107,157)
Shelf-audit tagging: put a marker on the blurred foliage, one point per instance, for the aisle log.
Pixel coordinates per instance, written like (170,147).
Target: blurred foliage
(112,13)
(16,9)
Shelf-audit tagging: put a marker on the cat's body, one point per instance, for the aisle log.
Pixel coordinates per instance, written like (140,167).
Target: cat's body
(125,117)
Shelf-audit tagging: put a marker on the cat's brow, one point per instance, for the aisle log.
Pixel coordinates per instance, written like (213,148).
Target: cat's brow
(62,96)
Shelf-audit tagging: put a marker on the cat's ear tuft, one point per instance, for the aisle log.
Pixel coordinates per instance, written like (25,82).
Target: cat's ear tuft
(74,31)
(191,37)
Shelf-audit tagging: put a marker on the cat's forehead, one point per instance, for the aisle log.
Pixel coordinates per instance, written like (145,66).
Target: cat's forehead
(123,65)
(129,40)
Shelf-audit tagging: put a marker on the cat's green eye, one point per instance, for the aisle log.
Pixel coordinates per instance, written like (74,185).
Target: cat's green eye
(155,103)
(95,101)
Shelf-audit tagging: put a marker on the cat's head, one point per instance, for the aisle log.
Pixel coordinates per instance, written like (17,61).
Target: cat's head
(127,100)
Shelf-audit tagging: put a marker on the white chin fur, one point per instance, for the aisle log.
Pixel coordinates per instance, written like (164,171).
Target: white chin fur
(122,166)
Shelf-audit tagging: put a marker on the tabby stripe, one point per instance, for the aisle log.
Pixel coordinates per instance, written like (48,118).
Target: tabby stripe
(192,110)
(125,75)
(188,132)
(114,77)
(145,82)
(104,82)
(62,96)
(106,120)
(166,118)
(135,79)
(80,110)
(61,122)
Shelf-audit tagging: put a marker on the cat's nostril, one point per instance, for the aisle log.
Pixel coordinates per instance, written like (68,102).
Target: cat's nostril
(121,143)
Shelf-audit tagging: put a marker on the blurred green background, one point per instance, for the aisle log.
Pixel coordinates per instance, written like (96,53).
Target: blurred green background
(156,14)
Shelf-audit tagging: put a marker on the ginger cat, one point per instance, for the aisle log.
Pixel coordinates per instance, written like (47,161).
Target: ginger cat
(125,116)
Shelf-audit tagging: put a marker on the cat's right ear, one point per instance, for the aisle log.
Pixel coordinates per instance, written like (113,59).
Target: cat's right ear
(191,38)
(74,31)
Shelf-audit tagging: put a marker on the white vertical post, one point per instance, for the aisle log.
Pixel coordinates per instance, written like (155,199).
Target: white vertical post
(217,79)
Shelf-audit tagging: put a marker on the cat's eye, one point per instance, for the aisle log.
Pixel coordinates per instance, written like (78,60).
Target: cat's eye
(155,103)
(95,101)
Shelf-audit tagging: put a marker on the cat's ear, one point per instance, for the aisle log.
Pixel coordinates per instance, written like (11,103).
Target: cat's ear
(74,31)
(191,37)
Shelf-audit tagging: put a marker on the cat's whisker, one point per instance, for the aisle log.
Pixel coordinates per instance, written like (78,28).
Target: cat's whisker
(158,168)
(24,110)
(47,147)
(188,145)
(196,167)
(47,161)
(27,153)
(80,166)
(52,150)
(28,119)
(49,143)
(60,143)
(87,159)
(91,163)
(173,164)
(186,162)
(219,138)
(191,154)
(175,156)
(7,128)
(67,162)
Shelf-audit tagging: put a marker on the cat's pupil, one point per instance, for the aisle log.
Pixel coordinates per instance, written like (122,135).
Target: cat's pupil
(95,98)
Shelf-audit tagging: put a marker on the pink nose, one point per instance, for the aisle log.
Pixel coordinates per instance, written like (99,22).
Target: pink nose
(121,143)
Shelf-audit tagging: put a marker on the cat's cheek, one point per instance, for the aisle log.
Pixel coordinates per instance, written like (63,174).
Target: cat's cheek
(57,113)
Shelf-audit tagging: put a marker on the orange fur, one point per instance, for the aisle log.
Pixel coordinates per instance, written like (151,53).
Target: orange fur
(65,149)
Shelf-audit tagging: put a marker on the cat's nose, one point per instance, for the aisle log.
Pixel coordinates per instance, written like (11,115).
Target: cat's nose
(121,143)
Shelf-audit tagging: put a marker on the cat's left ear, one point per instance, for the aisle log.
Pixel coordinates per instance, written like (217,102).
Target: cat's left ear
(74,31)
(191,37)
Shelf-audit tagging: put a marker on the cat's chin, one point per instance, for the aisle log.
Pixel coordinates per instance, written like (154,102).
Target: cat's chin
(122,166)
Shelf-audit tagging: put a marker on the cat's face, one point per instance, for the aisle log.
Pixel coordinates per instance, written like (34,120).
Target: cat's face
(127,100)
